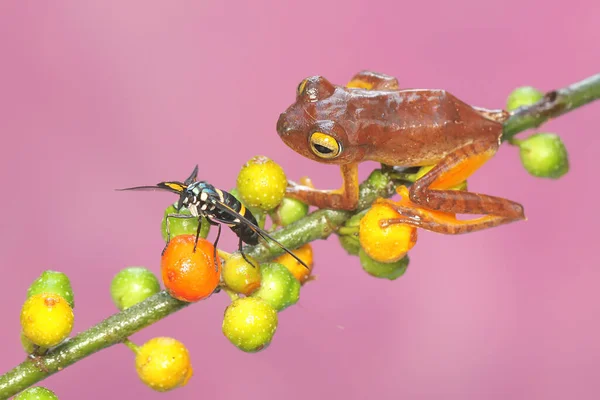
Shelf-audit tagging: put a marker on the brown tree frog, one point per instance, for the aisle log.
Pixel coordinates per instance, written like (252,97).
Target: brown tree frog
(371,119)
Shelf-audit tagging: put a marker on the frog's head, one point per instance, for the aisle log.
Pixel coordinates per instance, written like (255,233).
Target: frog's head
(312,125)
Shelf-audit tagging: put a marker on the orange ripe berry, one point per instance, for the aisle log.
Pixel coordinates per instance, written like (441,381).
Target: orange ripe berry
(188,275)
(387,244)
(305,253)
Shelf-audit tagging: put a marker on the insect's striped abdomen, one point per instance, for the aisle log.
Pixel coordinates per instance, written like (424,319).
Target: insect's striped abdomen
(243,231)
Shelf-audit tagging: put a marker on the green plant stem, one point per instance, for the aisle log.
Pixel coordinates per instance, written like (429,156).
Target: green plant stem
(552,105)
(317,225)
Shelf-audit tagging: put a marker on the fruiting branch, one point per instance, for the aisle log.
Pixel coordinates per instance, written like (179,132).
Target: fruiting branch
(111,331)
(552,105)
(317,225)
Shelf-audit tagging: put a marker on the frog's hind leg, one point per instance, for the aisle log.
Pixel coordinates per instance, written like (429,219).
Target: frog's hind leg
(373,81)
(429,204)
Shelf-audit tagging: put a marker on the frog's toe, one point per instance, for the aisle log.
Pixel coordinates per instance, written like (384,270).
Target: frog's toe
(306,181)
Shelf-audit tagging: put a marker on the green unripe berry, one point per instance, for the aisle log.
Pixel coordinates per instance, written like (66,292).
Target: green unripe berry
(348,235)
(278,286)
(36,393)
(250,323)
(350,243)
(523,96)
(378,180)
(133,285)
(53,282)
(261,183)
(182,226)
(544,155)
(289,211)
(378,269)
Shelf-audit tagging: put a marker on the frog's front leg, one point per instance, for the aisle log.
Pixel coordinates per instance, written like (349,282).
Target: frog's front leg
(345,198)
(432,206)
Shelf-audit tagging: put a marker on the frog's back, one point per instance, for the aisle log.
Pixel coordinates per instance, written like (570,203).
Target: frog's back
(417,127)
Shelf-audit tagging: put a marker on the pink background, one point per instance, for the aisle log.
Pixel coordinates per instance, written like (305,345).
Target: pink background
(106,94)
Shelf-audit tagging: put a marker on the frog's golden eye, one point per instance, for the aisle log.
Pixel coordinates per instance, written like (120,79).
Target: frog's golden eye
(324,145)
(301,87)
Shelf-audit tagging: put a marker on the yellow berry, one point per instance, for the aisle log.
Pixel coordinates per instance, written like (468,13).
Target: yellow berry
(250,324)
(239,275)
(46,319)
(305,253)
(163,364)
(261,183)
(387,244)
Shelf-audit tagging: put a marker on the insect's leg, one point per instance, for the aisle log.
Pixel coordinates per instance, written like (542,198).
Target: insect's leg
(168,229)
(345,198)
(215,245)
(183,216)
(373,81)
(198,233)
(429,204)
(244,254)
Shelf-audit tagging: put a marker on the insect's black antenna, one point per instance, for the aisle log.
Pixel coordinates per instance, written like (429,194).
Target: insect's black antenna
(266,236)
(192,178)
(259,232)
(173,187)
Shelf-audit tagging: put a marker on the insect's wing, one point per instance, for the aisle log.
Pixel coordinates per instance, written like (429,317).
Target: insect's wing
(260,232)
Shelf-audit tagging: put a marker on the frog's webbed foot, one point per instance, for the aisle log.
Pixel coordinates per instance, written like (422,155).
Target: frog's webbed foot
(345,198)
